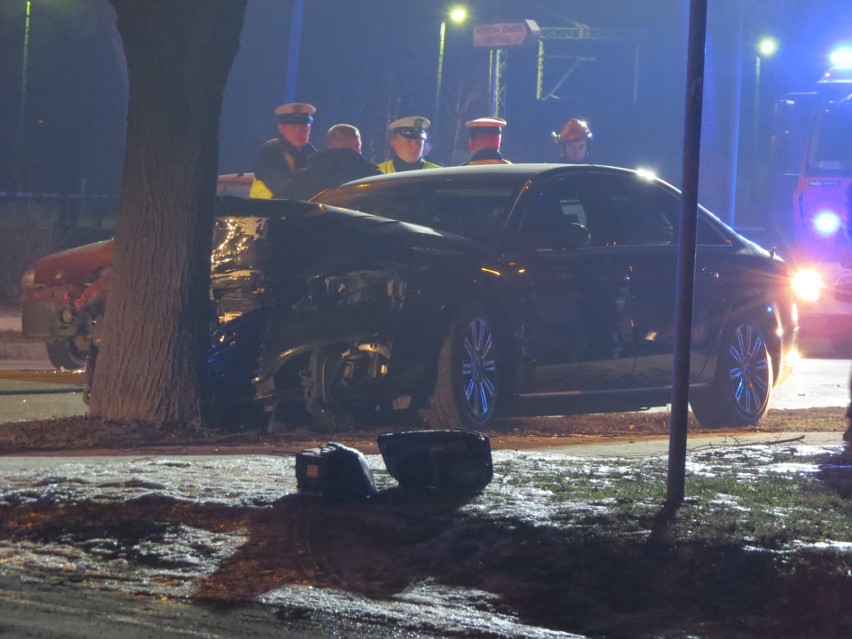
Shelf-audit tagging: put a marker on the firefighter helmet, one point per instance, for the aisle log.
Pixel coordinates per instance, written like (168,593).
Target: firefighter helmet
(575,140)
(574,129)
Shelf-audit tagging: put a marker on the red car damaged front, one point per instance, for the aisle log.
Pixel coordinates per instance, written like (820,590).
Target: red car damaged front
(62,301)
(63,294)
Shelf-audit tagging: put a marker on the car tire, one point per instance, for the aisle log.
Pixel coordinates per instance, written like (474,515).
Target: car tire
(64,354)
(469,375)
(742,387)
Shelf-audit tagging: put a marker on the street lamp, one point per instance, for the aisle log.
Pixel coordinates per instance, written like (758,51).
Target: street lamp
(767,46)
(457,15)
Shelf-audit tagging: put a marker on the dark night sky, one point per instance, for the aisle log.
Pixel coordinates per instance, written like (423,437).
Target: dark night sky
(369,61)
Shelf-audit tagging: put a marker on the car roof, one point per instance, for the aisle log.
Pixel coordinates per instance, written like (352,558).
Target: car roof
(516,174)
(516,170)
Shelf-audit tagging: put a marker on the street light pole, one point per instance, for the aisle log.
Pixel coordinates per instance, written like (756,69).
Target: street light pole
(457,15)
(23,109)
(766,48)
(443,36)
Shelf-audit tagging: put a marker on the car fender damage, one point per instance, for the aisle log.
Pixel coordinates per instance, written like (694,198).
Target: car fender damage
(337,341)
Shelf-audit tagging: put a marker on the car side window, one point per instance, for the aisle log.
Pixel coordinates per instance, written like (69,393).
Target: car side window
(645,214)
(560,217)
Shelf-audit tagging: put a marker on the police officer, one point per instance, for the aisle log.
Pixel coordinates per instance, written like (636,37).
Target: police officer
(574,140)
(486,135)
(285,154)
(408,140)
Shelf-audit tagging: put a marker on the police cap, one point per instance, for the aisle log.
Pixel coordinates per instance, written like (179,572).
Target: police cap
(413,127)
(295,113)
(485,126)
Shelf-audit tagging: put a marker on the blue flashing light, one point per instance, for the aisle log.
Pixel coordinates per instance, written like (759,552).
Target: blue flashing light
(826,223)
(841,56)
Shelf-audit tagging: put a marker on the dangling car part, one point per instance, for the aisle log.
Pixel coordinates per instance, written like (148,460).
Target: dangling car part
(336,472)
(450,461)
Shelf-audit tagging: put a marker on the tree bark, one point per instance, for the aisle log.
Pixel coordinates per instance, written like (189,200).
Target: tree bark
(156,326)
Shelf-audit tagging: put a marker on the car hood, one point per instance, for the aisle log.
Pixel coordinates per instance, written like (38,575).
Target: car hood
(305,238)
(75,266)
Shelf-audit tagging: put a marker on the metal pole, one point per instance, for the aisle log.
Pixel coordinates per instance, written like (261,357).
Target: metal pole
(735,135)
(293,55)
(497,60)
(441,38)
(686,253)
(23,110)
(756,159)
(539,78)
(492,84)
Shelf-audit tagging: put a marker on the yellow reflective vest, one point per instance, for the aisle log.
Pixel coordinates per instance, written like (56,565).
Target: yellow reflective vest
(259,190)
(387,166)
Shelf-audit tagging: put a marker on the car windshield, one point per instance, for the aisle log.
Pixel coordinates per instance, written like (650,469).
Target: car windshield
(831,153)
(473,208)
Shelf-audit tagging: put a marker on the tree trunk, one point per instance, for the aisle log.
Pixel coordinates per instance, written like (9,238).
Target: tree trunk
(155,333)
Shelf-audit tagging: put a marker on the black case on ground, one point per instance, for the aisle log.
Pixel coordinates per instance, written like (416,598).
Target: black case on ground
(447,460)
(334,471)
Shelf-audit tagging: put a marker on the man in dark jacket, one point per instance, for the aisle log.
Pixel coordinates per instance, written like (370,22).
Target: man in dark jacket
(341,161)
(285,154)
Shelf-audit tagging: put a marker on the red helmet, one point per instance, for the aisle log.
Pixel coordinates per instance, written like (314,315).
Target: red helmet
(574,129)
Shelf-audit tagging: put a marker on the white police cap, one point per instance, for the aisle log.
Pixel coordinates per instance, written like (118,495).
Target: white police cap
(413,127)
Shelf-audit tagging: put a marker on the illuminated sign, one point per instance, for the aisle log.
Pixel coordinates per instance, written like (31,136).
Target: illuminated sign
(505,34)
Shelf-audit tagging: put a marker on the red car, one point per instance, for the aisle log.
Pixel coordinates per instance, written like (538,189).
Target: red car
(63,294)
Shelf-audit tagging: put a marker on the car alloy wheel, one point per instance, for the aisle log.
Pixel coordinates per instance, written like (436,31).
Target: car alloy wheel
(740,394)
(749,369)
(479,369)
(468,383)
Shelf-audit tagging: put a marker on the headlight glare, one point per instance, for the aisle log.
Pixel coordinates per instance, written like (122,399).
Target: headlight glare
(807,285)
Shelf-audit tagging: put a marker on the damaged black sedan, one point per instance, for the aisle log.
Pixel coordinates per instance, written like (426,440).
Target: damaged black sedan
(462,294)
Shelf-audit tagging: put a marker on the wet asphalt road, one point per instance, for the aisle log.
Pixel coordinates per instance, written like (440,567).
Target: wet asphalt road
(41,393)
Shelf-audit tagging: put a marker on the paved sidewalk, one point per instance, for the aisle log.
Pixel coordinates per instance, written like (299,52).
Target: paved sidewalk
(657,446)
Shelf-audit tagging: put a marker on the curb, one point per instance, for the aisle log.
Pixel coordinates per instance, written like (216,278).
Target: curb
(23,350)
(12,345)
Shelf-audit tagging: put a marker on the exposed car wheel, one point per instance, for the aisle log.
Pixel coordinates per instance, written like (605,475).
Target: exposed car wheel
(468,382)
(742,388)
(64,354)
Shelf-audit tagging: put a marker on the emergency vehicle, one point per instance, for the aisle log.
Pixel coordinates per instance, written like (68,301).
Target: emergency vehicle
(816,136)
